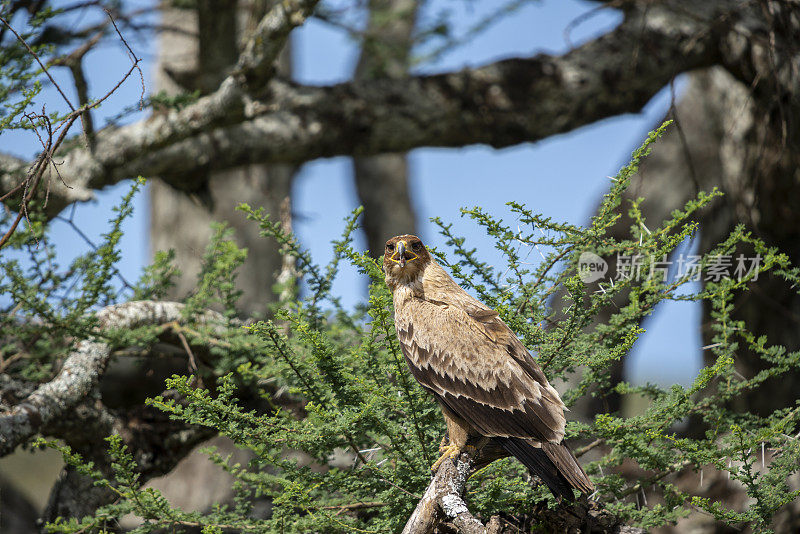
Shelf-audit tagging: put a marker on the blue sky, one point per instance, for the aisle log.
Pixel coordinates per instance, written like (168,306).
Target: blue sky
(561,177)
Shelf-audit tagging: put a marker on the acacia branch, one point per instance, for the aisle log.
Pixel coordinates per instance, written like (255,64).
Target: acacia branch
(443,502)
(501,104)
(81,371)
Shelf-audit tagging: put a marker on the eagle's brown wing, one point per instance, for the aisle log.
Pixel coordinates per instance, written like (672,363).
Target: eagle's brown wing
(477,367)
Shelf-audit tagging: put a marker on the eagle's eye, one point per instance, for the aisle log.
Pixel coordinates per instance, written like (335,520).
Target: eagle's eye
(390,247)
(416,245)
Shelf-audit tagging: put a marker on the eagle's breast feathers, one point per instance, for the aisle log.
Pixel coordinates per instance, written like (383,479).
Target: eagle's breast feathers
(462,352)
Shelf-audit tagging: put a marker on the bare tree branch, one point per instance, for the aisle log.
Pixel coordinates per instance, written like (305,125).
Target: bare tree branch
(257,61)
(74,61)
(81,371)
(443,502)
(502,104)
(44,166)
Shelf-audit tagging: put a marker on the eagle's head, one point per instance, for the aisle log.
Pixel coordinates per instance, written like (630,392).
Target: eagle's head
(404,260)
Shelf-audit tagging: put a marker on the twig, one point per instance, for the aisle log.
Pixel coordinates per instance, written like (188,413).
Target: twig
(583,450)
(192,362)
(39,61)
(355,506)
(31,182)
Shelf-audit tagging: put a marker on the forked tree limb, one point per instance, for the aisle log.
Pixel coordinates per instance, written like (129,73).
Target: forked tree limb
(443,502)
(81,371)
(502,104)
(258,61)
(255,67)
(382,181)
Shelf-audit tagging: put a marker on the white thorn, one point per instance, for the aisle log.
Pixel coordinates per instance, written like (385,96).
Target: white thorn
(644,496)
(762,455)
(701,477)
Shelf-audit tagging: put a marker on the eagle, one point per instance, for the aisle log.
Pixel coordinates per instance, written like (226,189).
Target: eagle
(488,385)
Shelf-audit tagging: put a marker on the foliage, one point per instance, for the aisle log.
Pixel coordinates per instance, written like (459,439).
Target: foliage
(19,72)
(341,436)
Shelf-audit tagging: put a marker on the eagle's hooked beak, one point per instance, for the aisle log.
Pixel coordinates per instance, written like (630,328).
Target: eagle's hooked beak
(399,256)
(401,253)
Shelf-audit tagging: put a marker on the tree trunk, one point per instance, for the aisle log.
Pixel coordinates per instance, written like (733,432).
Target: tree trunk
(382,181)
(724,136)
(17,513)
(181,220)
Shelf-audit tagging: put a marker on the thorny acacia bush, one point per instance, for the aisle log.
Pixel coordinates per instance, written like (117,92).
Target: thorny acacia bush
(368,432)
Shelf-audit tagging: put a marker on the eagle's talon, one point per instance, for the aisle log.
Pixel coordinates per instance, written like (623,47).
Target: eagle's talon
(451,451)
(443,445)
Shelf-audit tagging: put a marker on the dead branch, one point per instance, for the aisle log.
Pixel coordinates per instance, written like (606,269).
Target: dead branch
(502,104)
(81,371)
(29,183)
(443,503)
(257,62)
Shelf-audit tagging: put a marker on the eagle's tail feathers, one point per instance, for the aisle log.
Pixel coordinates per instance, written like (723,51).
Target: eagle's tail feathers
(554,463)
(568,466)
(539,464)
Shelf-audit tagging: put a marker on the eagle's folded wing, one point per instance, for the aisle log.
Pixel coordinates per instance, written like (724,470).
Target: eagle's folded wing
(478,368)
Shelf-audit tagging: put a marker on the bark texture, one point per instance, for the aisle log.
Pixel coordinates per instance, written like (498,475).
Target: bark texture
(80,372)
(70,407)
(502,104)
(181,219)
(382,181)
(442,507)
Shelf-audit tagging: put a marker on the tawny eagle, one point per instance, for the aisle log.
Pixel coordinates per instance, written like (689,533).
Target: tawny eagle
(485,380)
